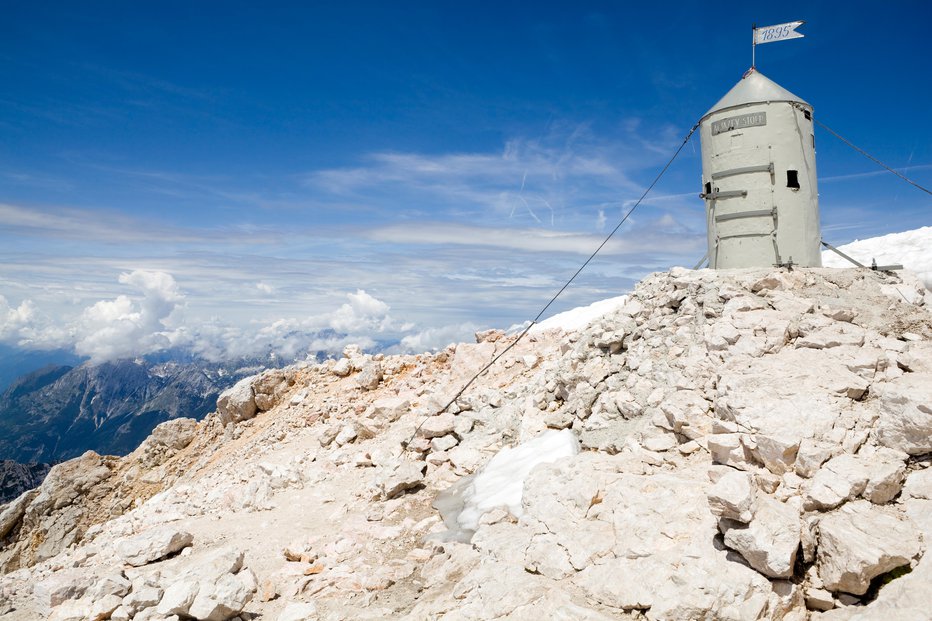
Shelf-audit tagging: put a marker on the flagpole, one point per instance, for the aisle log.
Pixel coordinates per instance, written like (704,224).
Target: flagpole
(753,43)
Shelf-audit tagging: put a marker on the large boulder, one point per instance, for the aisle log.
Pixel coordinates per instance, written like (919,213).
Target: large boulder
(687,412)
(841,479)
(176,433)
(237,403)
(397,477)
(769,543)
(153,544)
(861,541)
(905,420)
(734,496)
(213,587)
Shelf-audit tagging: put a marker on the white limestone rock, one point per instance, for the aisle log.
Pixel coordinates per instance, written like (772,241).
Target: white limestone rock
(659,443)
(796,394)
(811,455)
(721,336)
(436,426)
(61,586)
(299,611)
(237,403)
(177,598)
(777,451)
(388,409)
(842,478)
(120,614)
(224,597)
(153,544)
(146,596)
(618,583)
(834,335)
(728,449)
(76,610)
(342,367)
(687,411)
(547,557)
(919,484)
(905,422)
(370,376)
(661,537)
(465,458)
(102,607)
(769,543)
(860,541)
(346,434)
(819,599)
(887,473)
(734,496)
(443,443)
(13,512)
(212,587)
(397,477)
(110,584)
(175,434)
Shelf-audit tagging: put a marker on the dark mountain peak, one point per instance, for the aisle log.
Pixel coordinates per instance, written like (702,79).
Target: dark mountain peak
(35,380)
(58,413)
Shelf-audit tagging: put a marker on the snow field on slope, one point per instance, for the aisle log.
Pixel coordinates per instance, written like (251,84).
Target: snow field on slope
(911,249)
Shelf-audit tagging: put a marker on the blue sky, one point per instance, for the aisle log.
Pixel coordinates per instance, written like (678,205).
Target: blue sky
(229,177)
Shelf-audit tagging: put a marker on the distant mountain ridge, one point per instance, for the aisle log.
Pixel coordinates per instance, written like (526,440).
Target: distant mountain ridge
(59,412)
(67,407)
(15,361)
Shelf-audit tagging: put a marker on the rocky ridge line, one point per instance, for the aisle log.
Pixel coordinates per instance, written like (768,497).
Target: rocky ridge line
(756,446)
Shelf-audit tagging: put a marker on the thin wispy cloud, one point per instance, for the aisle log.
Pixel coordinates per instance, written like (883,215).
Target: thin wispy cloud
(546,181)
(906,170)
(115,227)
(519,217)
(535,239)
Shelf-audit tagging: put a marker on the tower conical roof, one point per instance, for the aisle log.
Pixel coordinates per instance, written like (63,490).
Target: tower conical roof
(754,87)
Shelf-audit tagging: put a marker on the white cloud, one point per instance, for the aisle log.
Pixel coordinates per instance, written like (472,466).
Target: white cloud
(542,180)
(26,327)
(433,339)
(363,313)
(126,327)
(14,320)
(149,319)
(539,239)
(449,239)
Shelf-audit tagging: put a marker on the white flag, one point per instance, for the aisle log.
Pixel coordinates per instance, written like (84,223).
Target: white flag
(780,32)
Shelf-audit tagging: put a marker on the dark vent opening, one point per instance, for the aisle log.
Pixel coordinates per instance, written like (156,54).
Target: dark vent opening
(708,187)
(792,179)
(807,114)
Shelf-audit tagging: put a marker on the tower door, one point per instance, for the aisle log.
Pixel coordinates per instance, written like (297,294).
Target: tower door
(743,217)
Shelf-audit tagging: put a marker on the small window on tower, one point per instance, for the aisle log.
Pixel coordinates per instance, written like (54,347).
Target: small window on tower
(792,179)
(807,114)
(708,187)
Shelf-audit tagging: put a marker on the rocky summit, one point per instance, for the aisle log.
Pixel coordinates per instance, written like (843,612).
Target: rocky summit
(749,444)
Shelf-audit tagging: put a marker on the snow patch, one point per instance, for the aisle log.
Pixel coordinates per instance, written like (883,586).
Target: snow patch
(500,483)
(912,249)
(578,318)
